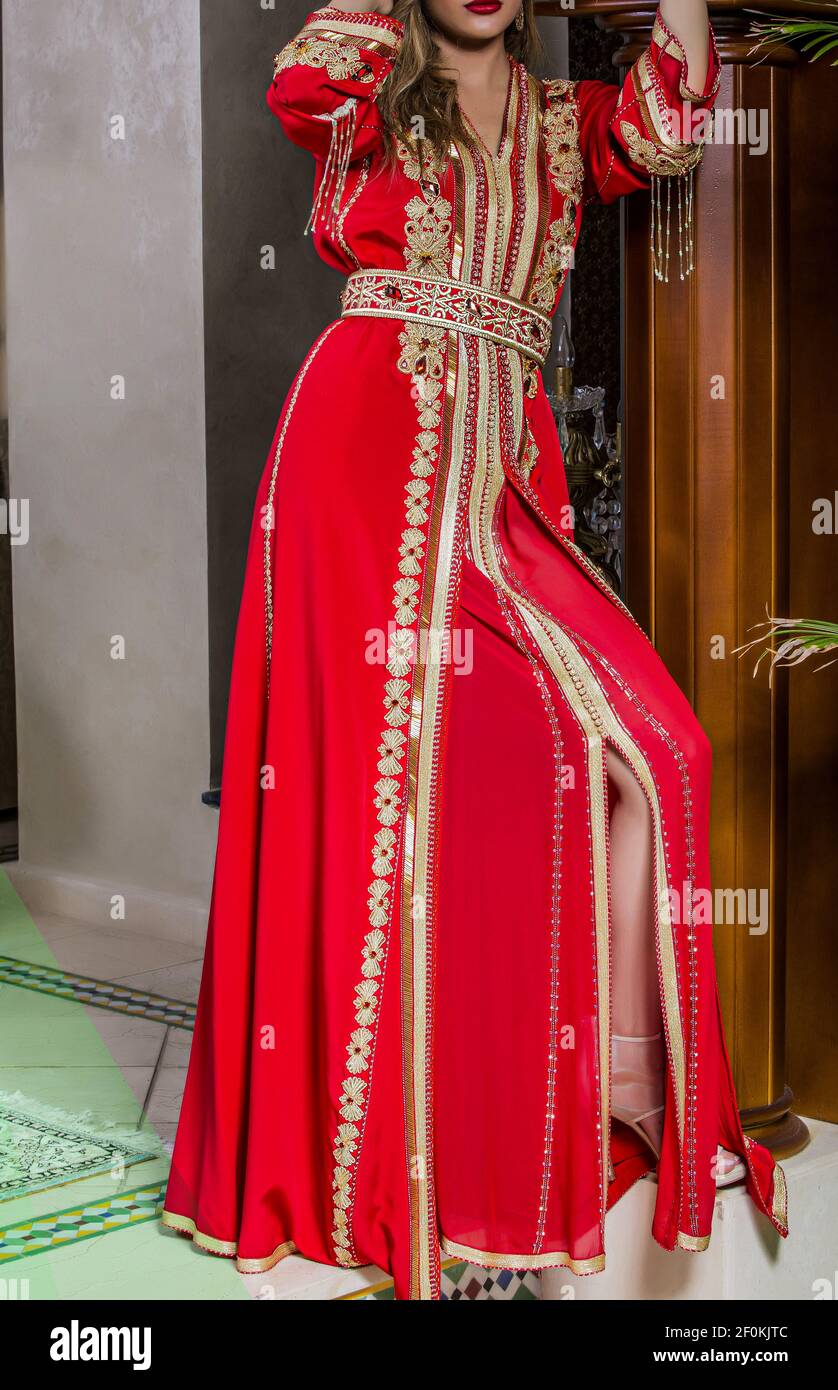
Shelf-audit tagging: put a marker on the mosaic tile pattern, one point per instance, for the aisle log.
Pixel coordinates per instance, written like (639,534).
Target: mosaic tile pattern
(465,1281)
(461,1281)
(100,994)
(75,1224)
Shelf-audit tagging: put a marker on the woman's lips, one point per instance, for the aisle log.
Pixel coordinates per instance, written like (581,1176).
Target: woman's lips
(484,6)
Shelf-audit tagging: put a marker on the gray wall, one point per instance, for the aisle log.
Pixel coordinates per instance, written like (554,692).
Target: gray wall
(260,322)
(105,277)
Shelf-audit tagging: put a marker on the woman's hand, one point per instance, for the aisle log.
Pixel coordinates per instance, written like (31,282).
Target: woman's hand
(362,6)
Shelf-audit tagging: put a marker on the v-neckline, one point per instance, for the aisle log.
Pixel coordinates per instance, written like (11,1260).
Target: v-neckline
(505,143)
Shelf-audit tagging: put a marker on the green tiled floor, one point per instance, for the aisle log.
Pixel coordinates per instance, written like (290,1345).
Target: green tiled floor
(51,1052)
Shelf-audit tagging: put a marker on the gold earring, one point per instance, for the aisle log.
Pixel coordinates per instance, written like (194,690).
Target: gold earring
(519,19)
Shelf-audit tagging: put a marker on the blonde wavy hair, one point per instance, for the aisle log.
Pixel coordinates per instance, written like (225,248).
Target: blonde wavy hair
(417,86)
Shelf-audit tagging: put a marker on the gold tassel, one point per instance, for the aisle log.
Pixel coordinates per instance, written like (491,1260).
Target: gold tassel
(661,223)
(327,204)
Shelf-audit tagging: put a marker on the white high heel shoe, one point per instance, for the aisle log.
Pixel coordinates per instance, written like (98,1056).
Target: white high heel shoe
(637,1079)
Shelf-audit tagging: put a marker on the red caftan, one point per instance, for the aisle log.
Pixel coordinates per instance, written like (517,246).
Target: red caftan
(402,1043)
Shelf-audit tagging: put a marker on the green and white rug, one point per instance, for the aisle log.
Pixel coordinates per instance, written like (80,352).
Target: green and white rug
(42,1147)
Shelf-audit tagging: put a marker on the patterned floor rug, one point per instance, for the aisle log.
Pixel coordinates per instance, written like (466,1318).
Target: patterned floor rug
(41,1147)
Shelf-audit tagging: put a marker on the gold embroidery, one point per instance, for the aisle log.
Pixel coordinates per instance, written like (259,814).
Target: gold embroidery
(422,358)
(340,58)
(529,233)
(428,233)
(561,138)
(567,171)
(467,308)
(418,861)
(407,591)
(677,159)
(529,454)
(419,161)
(377,33)
(556,261)
(428,228)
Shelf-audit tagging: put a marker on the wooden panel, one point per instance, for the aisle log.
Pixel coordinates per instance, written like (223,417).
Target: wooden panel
(719,496)
(706,471)
(813,791)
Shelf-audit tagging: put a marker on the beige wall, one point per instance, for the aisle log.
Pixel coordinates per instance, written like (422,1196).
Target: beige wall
(105,278)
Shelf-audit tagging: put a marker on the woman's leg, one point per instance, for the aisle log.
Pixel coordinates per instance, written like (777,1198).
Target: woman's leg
(638,1055)
(635,995)
(637,1048)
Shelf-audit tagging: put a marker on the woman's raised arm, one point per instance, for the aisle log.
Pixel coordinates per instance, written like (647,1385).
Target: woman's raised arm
(326,81)
(652,129)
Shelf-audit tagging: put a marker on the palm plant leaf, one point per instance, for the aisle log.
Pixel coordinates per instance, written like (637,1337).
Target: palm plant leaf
(791,641)
(808,34)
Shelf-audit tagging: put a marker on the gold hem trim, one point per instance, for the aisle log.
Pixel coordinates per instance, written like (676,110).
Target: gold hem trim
(779,1198)
(693,1243)
(549,1259)
(224,1249)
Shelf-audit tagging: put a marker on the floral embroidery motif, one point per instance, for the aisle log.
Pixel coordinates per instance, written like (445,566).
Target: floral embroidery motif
(556,260)
(567,171)
(423,360)
(561,137)
(428,233)
(678,159)
(340,58)
(428,228)
(420,162)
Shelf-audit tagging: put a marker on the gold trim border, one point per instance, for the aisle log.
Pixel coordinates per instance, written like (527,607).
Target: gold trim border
(418,861)
(548,1259)
(224,1249)
(780,1197)
(327,21)
(693,1243)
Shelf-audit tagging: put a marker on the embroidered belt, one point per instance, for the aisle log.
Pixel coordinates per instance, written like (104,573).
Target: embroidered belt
(393,294)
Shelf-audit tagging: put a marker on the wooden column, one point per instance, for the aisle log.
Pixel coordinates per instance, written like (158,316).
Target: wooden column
(707,373)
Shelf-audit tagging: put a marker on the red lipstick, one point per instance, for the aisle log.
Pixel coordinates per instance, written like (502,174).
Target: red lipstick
(484,6)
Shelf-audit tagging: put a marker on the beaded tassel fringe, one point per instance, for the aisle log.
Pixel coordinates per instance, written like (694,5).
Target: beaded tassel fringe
(662,220)
(327,204)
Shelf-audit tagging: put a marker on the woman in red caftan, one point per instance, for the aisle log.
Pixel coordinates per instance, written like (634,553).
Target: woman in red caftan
(449,1005)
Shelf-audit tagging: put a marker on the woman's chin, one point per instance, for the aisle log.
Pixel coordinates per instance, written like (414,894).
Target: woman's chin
(475,30)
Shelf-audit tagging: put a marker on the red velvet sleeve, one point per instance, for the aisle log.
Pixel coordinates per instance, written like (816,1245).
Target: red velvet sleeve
(650,127)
